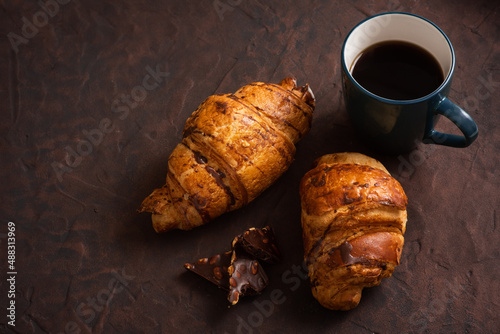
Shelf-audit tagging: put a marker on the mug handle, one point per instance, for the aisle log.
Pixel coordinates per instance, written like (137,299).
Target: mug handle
(461,119)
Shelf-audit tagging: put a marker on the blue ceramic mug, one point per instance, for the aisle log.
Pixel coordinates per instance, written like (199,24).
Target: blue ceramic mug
(397,126)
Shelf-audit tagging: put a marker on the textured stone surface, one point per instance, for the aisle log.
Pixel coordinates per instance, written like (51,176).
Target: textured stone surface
(88,263)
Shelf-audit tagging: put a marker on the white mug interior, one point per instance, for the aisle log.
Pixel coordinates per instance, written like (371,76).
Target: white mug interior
(399,27)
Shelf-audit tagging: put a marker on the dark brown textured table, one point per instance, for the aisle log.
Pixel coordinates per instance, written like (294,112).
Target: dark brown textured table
(94,96)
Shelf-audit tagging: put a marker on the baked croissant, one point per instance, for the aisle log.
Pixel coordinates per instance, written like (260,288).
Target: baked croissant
(234,146)
(353,221)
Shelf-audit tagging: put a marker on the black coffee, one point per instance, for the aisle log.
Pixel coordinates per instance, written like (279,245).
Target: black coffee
(397,70)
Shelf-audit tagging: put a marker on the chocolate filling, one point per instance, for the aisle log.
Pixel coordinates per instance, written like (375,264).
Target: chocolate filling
(345,254)
(218,175)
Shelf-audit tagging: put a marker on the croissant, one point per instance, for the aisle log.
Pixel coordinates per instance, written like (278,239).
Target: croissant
(353,221)
(234,146)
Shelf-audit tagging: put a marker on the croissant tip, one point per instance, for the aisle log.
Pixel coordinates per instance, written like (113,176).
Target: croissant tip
(142,208)
(289,83)
(308,96)
(305,92)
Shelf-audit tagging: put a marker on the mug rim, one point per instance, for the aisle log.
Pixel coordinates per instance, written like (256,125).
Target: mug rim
(392,101)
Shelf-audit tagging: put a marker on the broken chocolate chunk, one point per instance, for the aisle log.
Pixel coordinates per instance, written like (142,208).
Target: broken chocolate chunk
(239,271)
(260,243)
(247,277)
(214,269)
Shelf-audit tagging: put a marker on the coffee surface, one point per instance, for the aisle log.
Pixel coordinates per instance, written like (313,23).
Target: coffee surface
(397,70)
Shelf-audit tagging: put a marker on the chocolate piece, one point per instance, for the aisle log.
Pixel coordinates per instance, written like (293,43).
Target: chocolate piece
(239,271)
(260,243)
(214,269)
(247,278)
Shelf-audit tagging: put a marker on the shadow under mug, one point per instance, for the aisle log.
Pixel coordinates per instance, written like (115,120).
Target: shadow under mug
(397,126)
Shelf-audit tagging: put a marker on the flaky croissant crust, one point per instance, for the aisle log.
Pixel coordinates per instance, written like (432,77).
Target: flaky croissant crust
(353,221)
(234,146)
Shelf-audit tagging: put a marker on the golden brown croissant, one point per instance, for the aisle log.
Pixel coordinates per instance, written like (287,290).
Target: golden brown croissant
(353,221)
(234,146)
